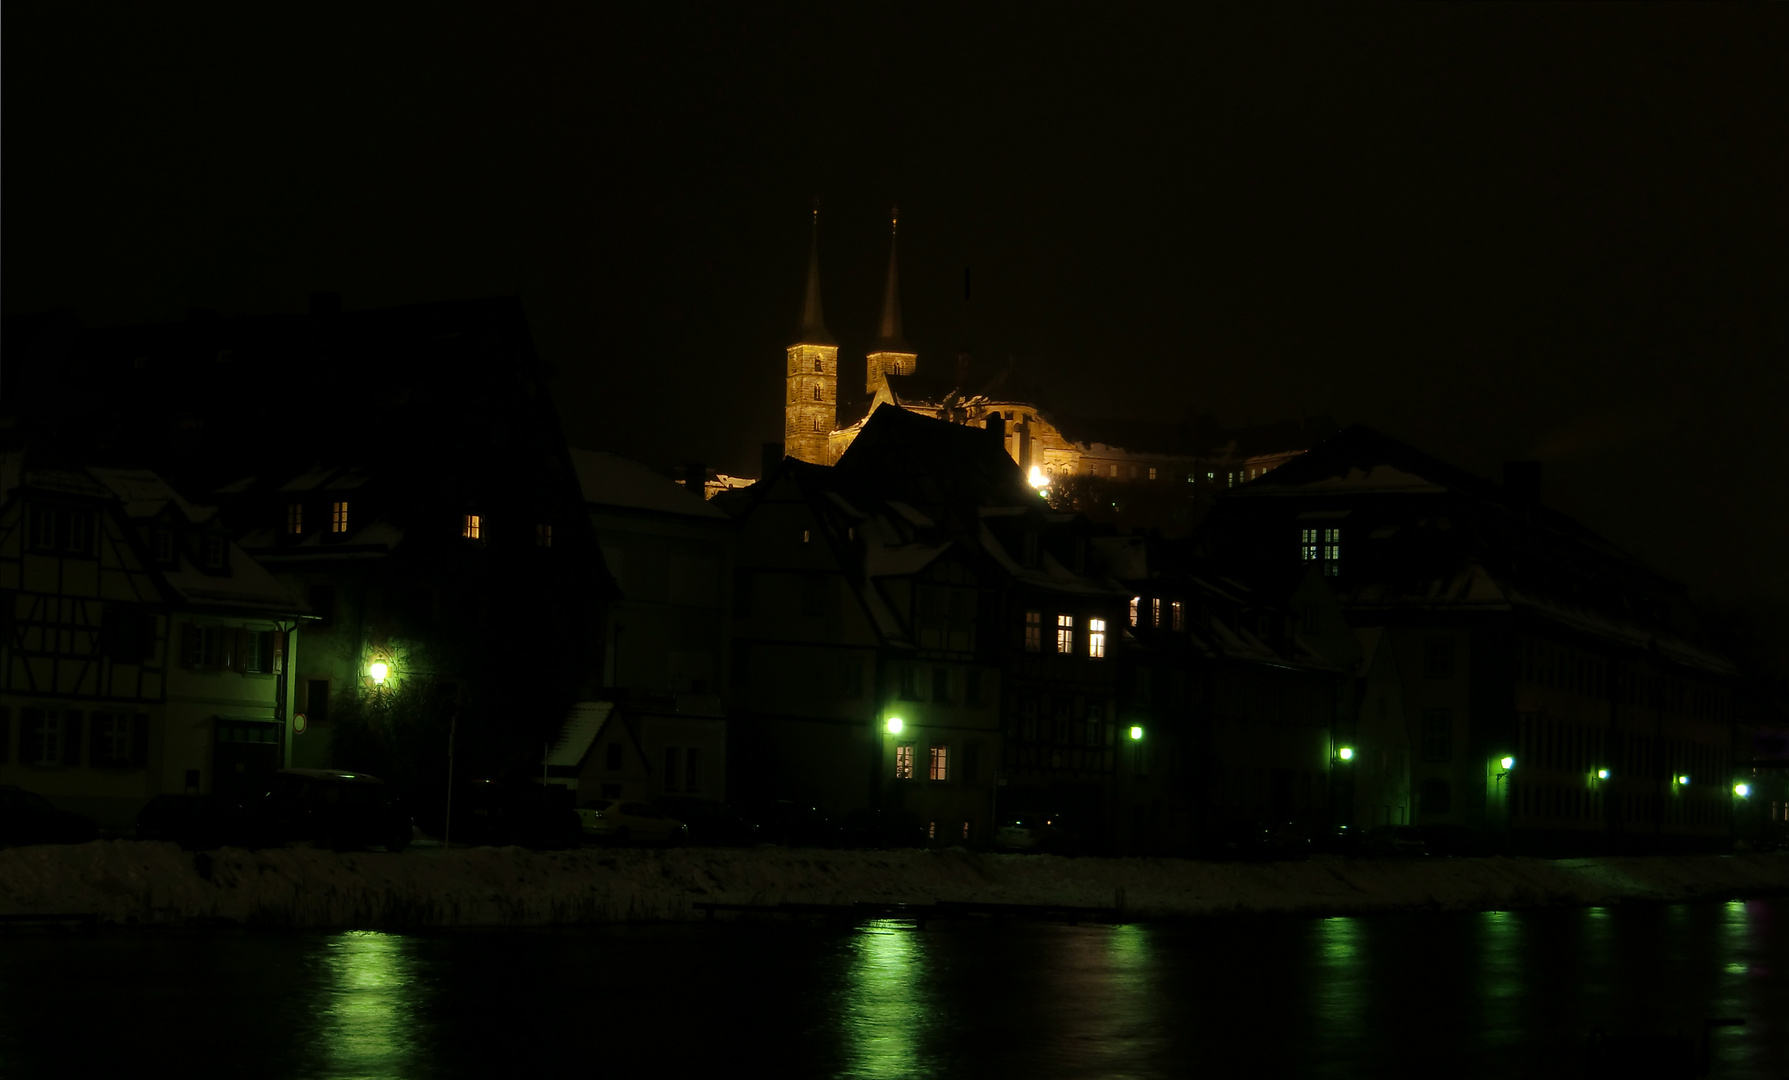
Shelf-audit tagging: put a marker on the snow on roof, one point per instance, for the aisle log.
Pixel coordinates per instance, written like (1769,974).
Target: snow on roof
(248,585)
(581,729)
(611,480)
(1379,478)
(912,515)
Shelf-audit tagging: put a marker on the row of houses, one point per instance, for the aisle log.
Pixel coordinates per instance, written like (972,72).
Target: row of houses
(417,570)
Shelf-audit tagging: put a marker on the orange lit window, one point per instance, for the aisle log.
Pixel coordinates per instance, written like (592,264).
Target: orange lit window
(338,517)
(1065,633)
(904,761)
(474,528)
(1096,638)
(1179,615)
(1136,602)
(940,763)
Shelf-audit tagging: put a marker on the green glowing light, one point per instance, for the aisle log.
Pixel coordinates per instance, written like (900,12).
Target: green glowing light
(1684,779)
(1742,790)
(1602,774)
(1509,763)
(378,669)
(1346,753)
(894,725)
(1136,732)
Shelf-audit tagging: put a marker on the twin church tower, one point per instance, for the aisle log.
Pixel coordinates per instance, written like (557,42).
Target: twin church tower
(810,401)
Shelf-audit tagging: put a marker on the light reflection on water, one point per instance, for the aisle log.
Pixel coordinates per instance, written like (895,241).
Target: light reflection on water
(370,1015)
(1470,994)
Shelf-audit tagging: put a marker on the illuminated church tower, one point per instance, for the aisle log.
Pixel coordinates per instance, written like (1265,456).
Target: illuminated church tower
(810,393)
(891,355)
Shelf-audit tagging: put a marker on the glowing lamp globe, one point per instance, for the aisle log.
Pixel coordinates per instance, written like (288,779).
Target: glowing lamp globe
(1136,733)
(894,725)
(1742,790)
(1346,753)
(378,669)
(1509,763)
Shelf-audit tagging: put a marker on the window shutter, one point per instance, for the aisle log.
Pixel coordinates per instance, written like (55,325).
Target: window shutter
(72,724)
(139,741)
(5,734)
(187,644)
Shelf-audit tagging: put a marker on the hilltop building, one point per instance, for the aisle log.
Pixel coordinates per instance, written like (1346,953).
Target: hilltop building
(1124,472)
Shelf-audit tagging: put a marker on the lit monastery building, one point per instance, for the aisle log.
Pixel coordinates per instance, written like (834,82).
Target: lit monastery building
(1132,471)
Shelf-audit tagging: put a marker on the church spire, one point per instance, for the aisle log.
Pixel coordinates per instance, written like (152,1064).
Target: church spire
(813,319)
(890,339)
(890,355)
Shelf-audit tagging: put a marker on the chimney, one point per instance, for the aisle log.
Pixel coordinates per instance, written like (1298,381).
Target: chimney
(324,304)
(997,430)
(770,455)
(1522,484)
(693,475)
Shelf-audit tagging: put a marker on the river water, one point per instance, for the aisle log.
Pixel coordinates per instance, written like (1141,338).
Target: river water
(1494,994)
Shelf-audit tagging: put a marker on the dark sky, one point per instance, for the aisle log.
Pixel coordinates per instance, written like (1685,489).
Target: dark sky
(1493,231)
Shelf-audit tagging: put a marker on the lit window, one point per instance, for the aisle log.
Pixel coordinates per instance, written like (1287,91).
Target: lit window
(474,527)
(1034,631)
(1179,615)
(1096,638)
(1065,633)
(904,761)
(1307,545)
(543,535)
(1332,549)
(1136,602)
(338,517)
(1152,474)
(1155,611)
(940,762)
(295,518)
(1114,470)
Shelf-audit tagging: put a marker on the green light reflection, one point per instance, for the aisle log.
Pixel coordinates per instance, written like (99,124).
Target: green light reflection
(1341,992)
(1502,972)
(369,1024)
(884,1007)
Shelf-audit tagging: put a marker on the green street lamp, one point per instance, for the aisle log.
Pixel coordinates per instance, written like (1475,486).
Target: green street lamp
(1508,763)
(1683,779)
(1136,732)
(1346,753)
(1742,790)
(1602,774)
(894,725)
(378,669)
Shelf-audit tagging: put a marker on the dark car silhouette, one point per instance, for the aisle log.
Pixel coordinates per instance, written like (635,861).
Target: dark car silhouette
(710,822)
(28,818)
(331,808)
(195,822)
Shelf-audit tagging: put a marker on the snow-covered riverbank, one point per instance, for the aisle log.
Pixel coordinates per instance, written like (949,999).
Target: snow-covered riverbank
(142,883)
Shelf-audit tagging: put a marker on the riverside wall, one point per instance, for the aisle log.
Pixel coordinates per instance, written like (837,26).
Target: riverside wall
(133,883)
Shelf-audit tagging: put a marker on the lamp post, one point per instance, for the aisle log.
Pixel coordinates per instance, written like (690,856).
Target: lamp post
(1505,795)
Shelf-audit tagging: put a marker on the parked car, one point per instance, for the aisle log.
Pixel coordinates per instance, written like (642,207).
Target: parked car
(1393,840)
(195,822)
(881,828)
(617,822)
(1051,833)
(28,818)
(794,824)
(710,822)
(498,814)
(332,808)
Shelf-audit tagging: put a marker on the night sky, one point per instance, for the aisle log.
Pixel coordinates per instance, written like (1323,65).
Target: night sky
(1495,232)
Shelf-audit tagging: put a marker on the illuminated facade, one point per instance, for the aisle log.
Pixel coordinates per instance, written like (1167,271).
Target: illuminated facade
(811,375)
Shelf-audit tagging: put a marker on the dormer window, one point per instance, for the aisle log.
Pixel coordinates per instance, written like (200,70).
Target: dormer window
(473,527)
(214,553)
(295,518)
(164,545)
(338,517)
